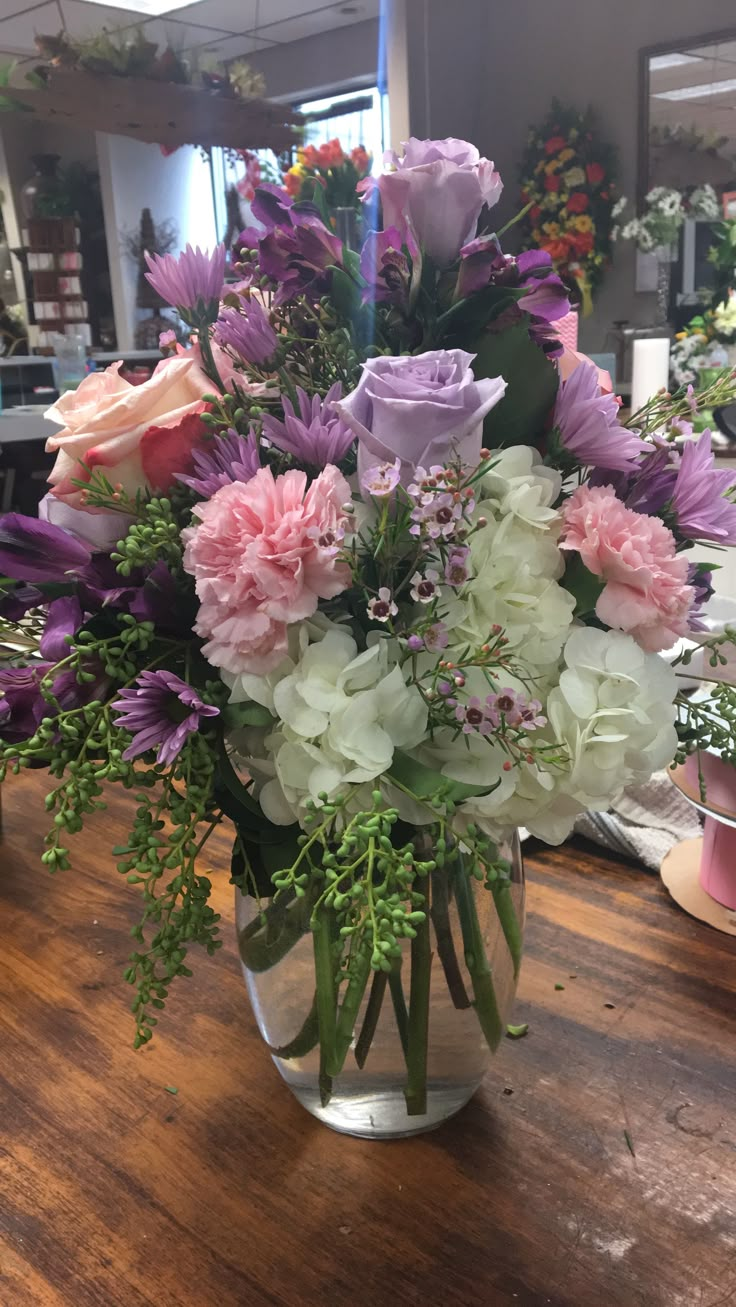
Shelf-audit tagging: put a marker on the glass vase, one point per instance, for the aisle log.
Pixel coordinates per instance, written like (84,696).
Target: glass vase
(400,1050)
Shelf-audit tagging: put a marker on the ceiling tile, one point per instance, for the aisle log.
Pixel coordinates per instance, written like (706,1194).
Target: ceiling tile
(83,20)
(17,35)
(232,47)
(180,36)
(228,15)
(295,26)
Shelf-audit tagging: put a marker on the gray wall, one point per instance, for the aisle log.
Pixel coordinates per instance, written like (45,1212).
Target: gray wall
(319,64)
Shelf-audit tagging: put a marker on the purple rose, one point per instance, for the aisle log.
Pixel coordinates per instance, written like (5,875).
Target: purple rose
(421,409)
(439,189)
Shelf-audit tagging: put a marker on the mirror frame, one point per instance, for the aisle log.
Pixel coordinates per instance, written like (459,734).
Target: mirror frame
(645,54)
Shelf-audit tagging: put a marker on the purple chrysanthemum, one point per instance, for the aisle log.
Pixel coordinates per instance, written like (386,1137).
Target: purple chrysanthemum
(588,424)
(699,496)
(700,578)
(247,331)
(160,712)
(190,281)
(224,459)
(317,434)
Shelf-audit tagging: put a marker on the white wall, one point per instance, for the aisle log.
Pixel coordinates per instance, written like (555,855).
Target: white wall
(136,176)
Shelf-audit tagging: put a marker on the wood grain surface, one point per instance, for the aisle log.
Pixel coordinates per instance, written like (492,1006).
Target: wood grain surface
(115,1192)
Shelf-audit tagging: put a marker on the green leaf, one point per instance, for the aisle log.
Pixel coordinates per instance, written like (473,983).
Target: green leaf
(345,293)
(266,859)
(471,315)
(581,583)
(424,782)
(234,787)
(532,381)
(236,715)
(517,1032)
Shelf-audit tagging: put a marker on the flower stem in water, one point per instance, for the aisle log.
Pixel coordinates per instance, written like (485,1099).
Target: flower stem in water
(445,942)
(370,1020)
(324,970)
(484,995)
(418,1032)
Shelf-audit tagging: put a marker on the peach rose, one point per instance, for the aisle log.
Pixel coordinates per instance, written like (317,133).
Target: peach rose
(140,435)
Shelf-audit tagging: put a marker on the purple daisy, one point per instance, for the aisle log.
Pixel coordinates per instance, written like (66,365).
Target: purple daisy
(224,459)
(190,281)
(699,496)
(160,712)
(247,332)
(316,434)
(588,425)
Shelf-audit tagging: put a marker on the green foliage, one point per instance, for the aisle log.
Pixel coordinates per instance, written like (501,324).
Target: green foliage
(532,380)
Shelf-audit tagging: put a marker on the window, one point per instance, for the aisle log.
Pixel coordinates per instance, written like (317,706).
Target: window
(355,118)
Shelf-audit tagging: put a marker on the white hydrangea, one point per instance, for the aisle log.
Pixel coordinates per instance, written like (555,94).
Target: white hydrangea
(613,714)
(516,563)
(341,716)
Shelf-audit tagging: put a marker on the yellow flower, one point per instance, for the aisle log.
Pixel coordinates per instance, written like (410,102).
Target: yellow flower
(536,235)
(566,154)
(552,166)
(575,177)
(300,154)
(583,222)
(551,228)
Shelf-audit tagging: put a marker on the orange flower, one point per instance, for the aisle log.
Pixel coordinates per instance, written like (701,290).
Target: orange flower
(361,159)
(293,182)
(310,157)
(578,202)
(331,155)
(558,250)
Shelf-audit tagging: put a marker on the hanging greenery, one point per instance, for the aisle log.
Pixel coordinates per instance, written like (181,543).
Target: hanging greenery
(568,181)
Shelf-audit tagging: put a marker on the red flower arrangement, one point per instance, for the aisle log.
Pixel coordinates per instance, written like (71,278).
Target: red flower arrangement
(568,181)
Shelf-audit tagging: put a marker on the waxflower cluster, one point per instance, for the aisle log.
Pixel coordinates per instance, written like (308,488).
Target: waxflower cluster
(343,574)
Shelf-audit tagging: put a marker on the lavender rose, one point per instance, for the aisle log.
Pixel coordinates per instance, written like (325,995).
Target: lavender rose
(439,188)
(421,409)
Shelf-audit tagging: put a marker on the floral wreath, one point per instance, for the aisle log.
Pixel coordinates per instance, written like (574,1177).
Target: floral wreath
(567,179)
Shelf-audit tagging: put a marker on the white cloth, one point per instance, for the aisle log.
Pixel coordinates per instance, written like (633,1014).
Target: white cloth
(645,824)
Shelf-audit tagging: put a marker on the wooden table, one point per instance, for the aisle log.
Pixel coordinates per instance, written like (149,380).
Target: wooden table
(117,1193)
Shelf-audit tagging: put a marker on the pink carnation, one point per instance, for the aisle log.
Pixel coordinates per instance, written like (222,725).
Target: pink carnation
(263,555)
(646,591)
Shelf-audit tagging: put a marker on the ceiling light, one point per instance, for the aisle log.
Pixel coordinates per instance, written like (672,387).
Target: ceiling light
(662,61)
(151,8)
(696,92)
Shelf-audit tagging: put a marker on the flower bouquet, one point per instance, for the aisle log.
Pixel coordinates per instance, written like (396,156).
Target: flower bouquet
(568,186)
(375,573)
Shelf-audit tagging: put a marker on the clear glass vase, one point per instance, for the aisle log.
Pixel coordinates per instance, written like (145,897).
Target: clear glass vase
(417,1045)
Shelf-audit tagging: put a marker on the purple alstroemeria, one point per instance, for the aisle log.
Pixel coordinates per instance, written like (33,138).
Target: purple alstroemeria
(63,619)
(23,706)
(247,332)
(224,459)
(317,434)
(588,427)
(299,258)
(16,602)
(158,600)
(546,294)
(701,579)
(271,206)
(699,496)
(389,263)
(160,712)
(483,263)
(191,281)
(37,551)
